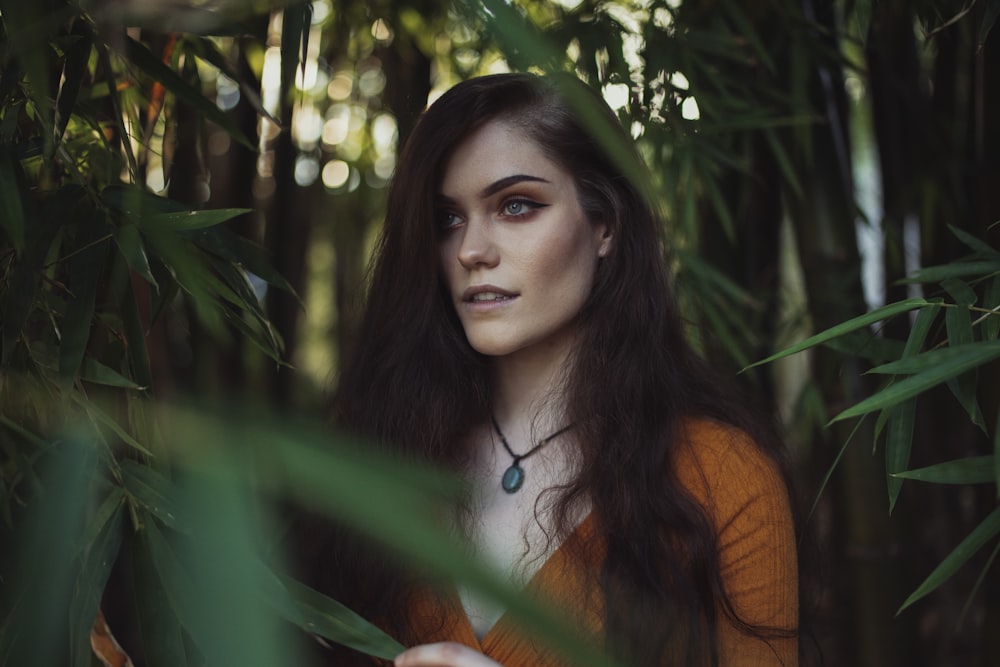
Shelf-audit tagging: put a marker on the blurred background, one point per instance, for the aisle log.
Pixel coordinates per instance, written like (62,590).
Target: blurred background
(814,161)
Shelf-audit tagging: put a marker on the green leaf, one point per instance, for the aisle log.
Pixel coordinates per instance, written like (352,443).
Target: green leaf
(961,269)
(97,373)
(175,581)
(181,221)
(946,356)
(921,327)
(129,243)
(85,267)
(98,415)
(863,14)
(172,81)
(206,50)
(898,443)
(989,18)
(11,209)
(162,637)
(745,30)
(991,325)
(788,170)
(968,470)
(983,533)
(852,324)
(865,344)
(228,245)
(135,337)
(974,243)
(328,618)
(833,466)
(899,439)
(136,203)
(38,592)
(978,584)
(75,60)
(958,321)
(295,24)
(153,491)
(101,555)
(124,138)
(961,360)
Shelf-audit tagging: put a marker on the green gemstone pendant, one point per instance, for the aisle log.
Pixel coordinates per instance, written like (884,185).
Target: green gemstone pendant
(513,478)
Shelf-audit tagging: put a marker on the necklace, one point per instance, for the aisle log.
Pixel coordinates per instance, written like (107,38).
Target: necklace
(513,477)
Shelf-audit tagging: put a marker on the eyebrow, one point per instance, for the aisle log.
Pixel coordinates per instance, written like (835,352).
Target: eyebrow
(497,186)
(508,181)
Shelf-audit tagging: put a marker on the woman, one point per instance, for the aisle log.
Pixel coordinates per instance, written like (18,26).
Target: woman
(520,329)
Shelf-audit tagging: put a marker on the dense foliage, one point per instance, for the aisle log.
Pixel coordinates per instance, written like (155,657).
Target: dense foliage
(188,192)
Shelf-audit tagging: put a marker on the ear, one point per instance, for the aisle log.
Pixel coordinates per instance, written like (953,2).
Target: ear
(604,239)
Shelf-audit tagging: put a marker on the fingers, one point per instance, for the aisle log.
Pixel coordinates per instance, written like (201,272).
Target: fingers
(444,654)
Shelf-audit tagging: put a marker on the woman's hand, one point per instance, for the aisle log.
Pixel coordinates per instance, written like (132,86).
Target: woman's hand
(443,654)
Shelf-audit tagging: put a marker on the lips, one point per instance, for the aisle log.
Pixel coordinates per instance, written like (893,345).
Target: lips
(486,294)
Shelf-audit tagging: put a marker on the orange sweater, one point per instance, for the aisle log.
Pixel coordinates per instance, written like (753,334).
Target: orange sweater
(745,498)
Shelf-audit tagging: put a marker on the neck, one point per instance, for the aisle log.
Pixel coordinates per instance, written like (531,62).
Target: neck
(527,390)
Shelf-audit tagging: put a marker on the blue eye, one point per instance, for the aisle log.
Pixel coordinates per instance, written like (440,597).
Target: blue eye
(518,207)
(447,220)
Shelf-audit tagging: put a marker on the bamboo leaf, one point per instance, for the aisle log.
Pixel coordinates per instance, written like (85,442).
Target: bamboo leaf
(224,243)
(973,243)
(833,466)
(877,315)
(979,583)
(936,274)
(135,338)
(968,470)
(983,533)
(124,138)
(958,322)
(98,415)
(976,355)
(181,221)
(75,62)
(945,356)
(84,276)
(863,14)
(328,618)
(206,50)
(921,327)
(101,555)
(865,344)
(745,30)
(153,491)
(11,210)
(172,81)
(162,637)
(97,373)
(989,19)
(991,326)
(129,243)
(784,161)
(898,443)
(135,203)
(38,592)
(175,581)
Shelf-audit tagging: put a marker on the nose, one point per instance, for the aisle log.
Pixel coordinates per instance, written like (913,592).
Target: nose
(477,248)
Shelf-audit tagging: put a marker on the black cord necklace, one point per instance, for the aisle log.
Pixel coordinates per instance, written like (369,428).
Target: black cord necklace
(513,477)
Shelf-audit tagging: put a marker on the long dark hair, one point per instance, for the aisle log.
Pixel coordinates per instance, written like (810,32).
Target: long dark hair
(415,384)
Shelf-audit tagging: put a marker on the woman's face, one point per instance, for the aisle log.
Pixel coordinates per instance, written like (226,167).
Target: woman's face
(517,251)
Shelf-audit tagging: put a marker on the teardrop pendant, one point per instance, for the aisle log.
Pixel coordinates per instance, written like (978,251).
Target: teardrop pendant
(513,478)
